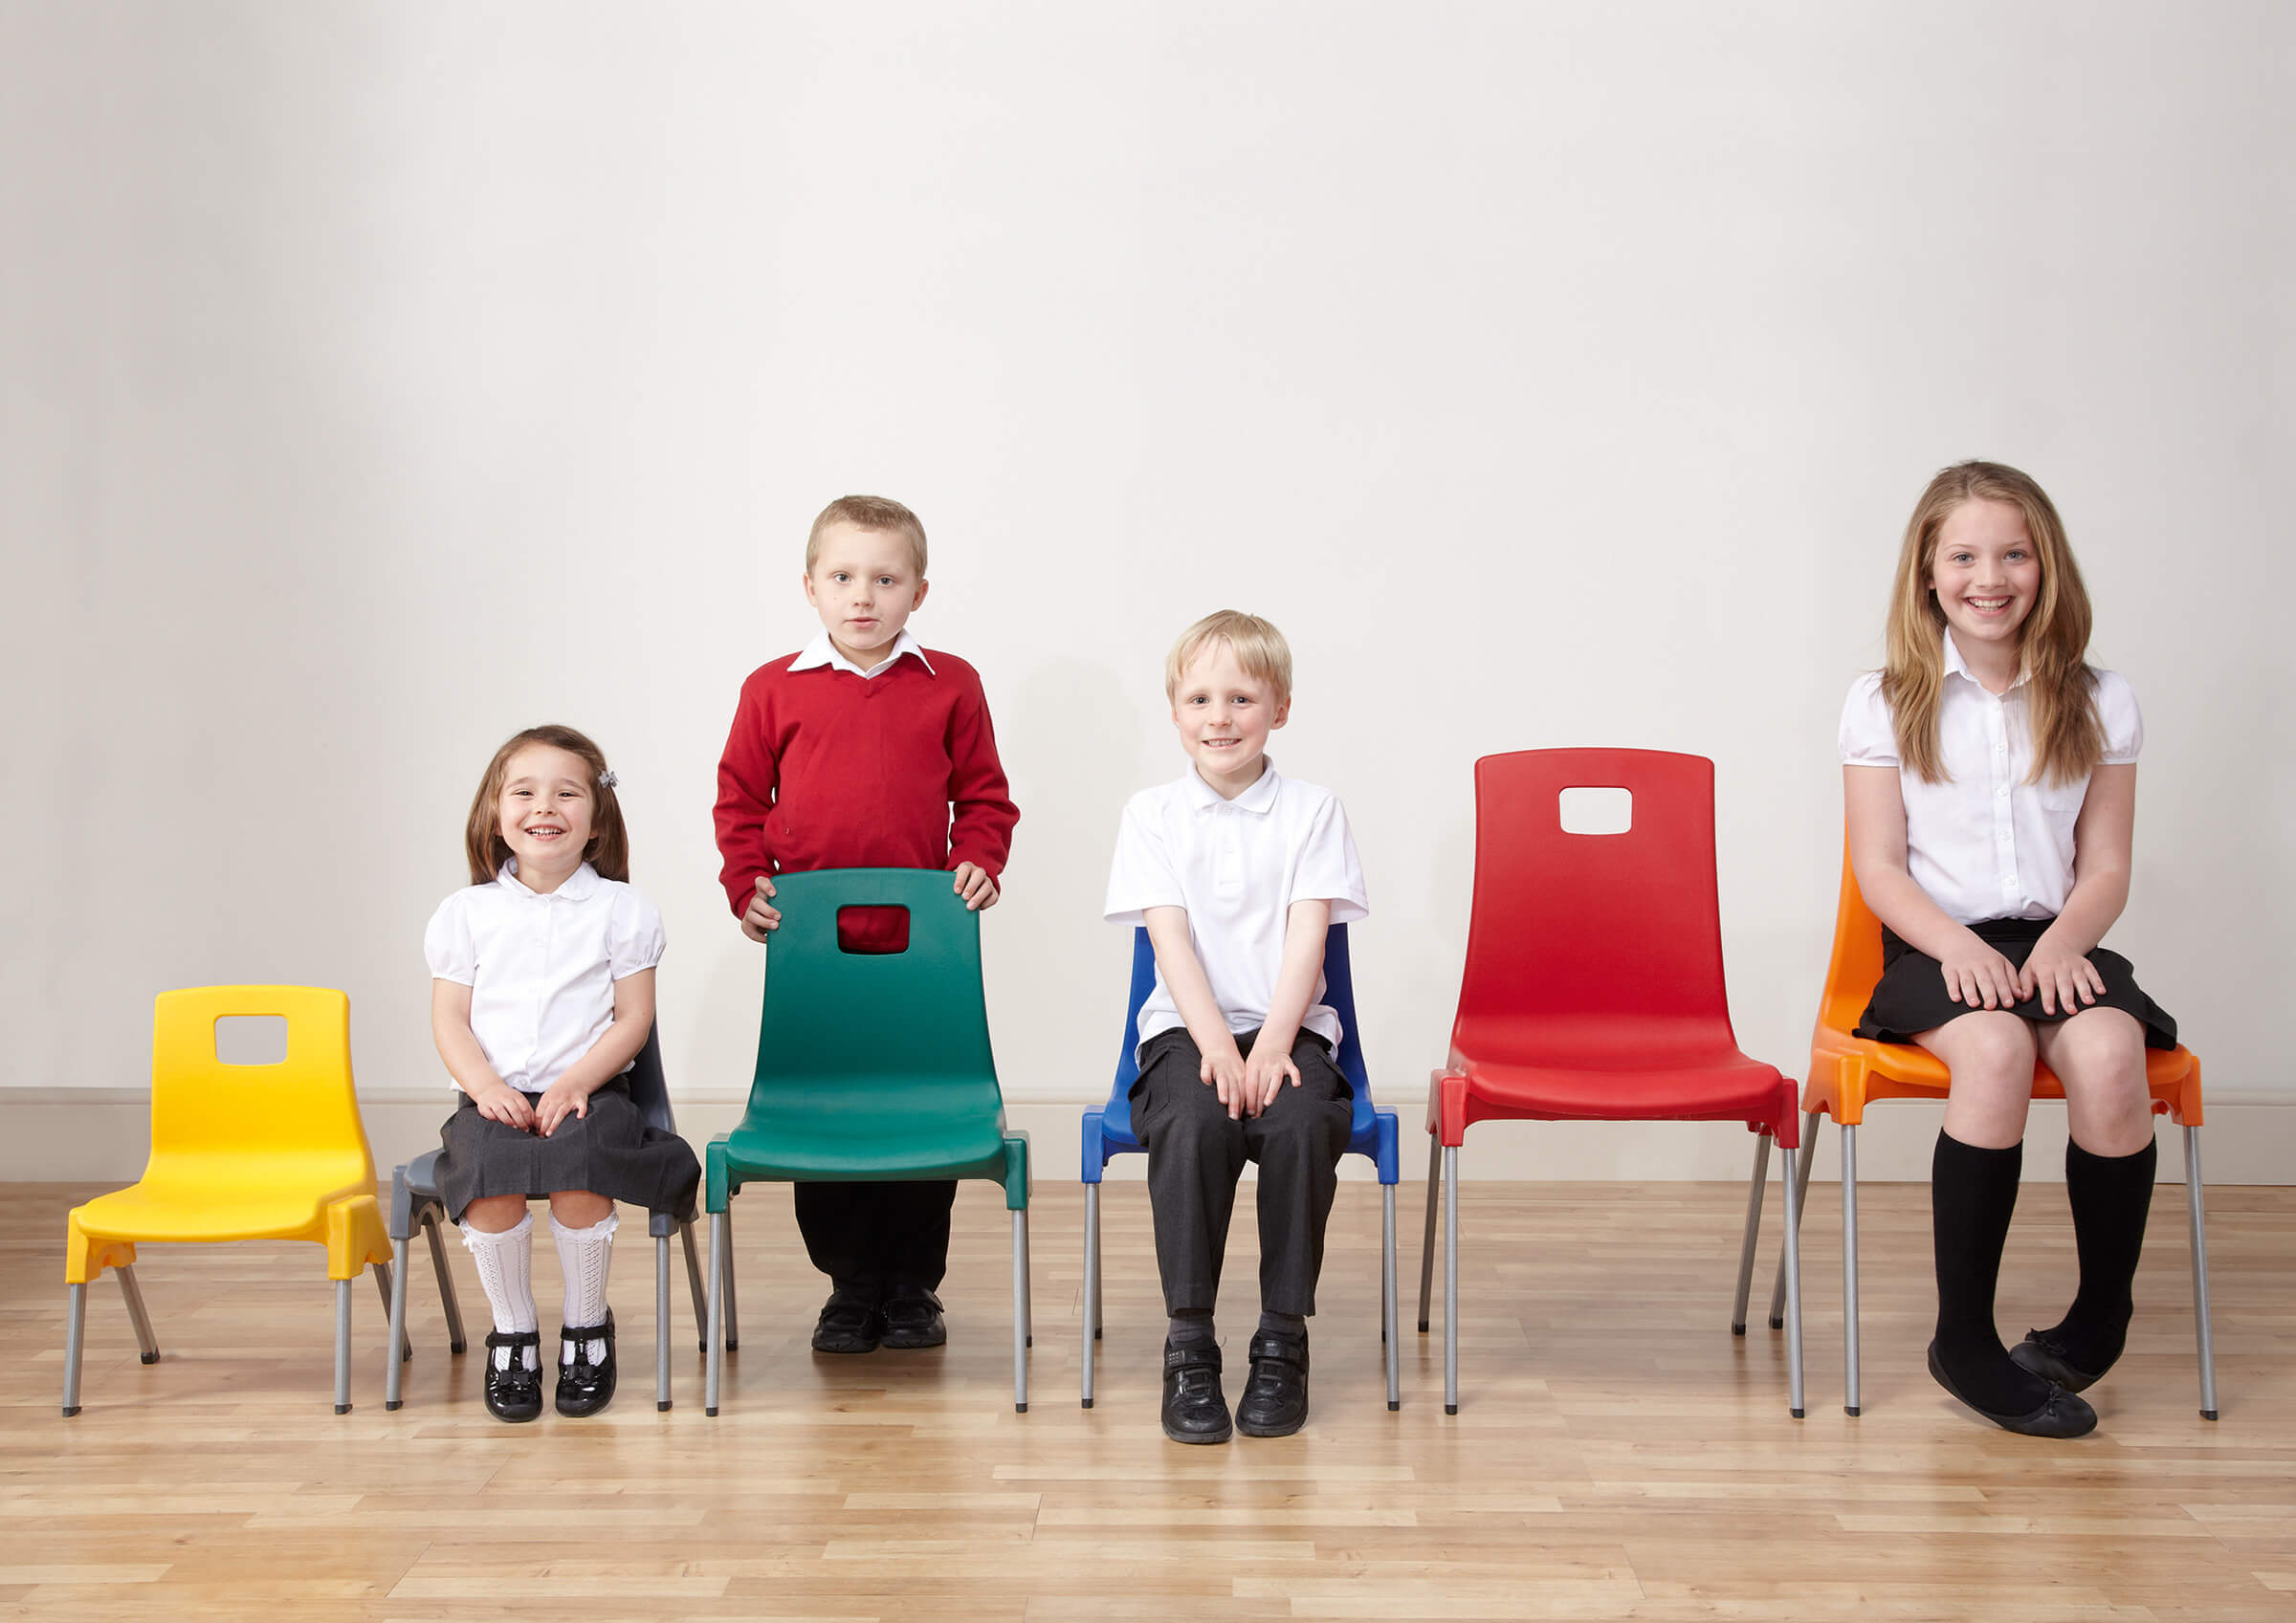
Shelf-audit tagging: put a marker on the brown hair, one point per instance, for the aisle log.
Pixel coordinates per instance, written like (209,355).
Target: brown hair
(2068,739)
(1259,648)
(869,512)
(608,850)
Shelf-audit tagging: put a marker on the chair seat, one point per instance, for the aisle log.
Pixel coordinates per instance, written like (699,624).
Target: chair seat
(1714,1086)
(222,1200)
(1895,1070)
(813,1149)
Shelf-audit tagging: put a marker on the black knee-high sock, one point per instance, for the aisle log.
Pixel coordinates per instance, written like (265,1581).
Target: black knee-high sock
(2112,1197)
(1973,1193)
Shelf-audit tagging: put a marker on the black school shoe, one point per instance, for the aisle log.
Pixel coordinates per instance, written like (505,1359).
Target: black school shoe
(515,1393)
(912,1321)
(2045,1356)
(1275,1393)
(2060,1413)
(848,1326)
(1195,1411)
(585,1387)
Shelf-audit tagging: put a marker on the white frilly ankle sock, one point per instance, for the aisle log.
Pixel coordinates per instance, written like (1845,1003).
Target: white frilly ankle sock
(583,1256)
(506,1273)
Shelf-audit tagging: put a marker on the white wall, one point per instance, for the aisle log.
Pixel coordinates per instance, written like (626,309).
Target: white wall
(375,381)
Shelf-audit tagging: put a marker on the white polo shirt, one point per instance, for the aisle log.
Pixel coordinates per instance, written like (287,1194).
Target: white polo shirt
(1985,843)
(542,968)
(1236,867)
(823,651)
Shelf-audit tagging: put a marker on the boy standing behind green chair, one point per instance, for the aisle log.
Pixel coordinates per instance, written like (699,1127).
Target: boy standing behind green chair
(865,750)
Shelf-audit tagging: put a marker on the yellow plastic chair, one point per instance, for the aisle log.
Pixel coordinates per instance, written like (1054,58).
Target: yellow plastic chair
(240,1152)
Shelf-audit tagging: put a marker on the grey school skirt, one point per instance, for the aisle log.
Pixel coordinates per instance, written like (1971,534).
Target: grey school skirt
(1910,997)
(610,1152)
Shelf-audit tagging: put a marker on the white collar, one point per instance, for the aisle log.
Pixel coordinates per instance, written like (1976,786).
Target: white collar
(821,651)
(1259,798)
(580,886)
(1956,665)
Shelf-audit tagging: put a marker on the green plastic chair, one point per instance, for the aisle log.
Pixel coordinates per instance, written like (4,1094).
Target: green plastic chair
(872,1068)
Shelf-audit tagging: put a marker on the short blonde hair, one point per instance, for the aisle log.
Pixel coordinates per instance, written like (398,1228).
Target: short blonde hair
(1259,648)
(869,512)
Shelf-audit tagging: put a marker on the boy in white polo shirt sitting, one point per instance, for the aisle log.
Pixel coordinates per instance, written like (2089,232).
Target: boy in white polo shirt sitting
(1238,873)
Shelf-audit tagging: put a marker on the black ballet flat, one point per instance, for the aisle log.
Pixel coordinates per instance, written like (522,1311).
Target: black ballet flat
(515,1393)
(585,1387)
(2061,1414)
(2045,1356)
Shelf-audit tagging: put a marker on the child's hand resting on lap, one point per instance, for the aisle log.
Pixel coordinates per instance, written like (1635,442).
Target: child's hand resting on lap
(559,1100)
(2061,976)
(1265,1074)
(1224,1071)
(505,1103)
(1978,977)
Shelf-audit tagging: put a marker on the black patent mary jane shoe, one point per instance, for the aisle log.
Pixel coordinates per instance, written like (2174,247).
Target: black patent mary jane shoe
(912,1321)
(585,1387)
(2060,1413)
(515,1393)
(1195,1411)
(1275,1393)
(2042,1354)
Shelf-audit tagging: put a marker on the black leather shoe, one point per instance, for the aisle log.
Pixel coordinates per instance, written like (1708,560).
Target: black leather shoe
(515,1393)
(848,1326)
(2040,1353)
(1193,1409)
(1275,1394)
(585,1387)
(915,1320)
(2061,1414)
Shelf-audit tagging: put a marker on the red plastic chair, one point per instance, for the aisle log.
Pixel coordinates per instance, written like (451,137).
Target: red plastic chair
(1593,990)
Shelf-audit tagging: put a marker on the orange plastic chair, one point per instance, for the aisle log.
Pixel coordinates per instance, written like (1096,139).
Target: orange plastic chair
(240,1152)
(1847,1073)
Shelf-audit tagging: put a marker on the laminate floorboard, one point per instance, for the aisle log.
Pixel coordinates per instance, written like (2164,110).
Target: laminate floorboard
(1618,1453)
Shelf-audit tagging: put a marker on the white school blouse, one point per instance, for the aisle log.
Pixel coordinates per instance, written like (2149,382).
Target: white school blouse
(1985,843)
(1236,867)
(542,968)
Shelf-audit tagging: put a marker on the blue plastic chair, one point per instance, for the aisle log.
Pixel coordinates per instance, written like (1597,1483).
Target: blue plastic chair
(1108,1134)
(416,1202)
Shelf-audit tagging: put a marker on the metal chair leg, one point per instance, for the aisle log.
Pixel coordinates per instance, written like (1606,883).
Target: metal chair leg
(732,1316)
(1020,1313)
(1388,1328)
(1801,1195)
(1450,1281)
(1793,1257)
(2202,1335)
(1753,1231)
(1091,1280)
(386,1281)
(713,1342)
(457,1341)
(147,1345)
(393,1372)
(343,1346)
(1427,1250)
(1028,1290)
(1850,1401)
(701,1293)
(75,1322)
(661,1323)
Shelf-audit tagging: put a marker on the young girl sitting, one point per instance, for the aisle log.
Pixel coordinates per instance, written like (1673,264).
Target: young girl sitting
(1990,776)
(542,998)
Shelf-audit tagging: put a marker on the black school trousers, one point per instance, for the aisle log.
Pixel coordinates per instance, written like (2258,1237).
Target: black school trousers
(878,1240)
(1196,1153)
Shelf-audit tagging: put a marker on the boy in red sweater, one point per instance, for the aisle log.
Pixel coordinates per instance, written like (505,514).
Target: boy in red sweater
(865,750)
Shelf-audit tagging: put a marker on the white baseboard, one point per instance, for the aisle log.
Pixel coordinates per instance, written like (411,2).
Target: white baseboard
(73,1135)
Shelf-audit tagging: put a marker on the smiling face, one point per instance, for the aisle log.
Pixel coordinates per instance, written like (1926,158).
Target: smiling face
(1986,573)
(864,584)
(1224,716)
(545,810)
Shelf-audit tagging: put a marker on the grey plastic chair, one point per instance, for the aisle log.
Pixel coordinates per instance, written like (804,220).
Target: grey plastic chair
(415,1201)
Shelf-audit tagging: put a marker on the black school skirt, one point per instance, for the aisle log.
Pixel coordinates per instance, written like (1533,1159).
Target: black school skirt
(610,1152)
(1910,997)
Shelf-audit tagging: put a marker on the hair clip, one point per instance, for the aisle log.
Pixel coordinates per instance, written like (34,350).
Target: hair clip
(606,779)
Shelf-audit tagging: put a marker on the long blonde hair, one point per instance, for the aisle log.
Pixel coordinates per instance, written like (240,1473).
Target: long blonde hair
(2061,707)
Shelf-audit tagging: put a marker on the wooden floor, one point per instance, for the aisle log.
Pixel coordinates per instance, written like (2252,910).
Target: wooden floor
(1618,1453)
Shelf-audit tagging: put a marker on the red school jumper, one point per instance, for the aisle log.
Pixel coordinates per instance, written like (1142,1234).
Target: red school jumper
(826,769)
